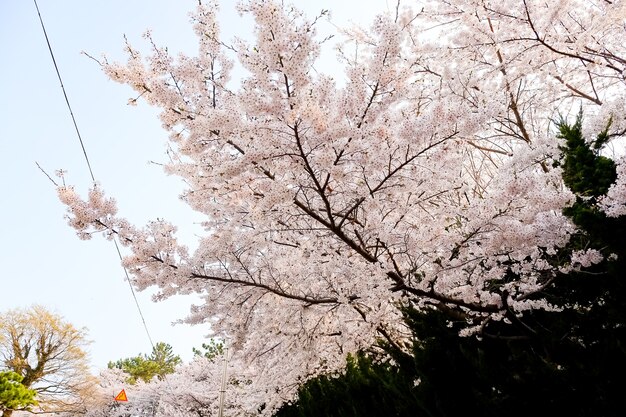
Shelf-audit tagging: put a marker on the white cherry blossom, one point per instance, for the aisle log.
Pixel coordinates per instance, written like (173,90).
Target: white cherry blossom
(427,179)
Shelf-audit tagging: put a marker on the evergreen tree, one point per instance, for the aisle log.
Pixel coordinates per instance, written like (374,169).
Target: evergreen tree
(159,363)
(210,350)
(366,388)
(14,395)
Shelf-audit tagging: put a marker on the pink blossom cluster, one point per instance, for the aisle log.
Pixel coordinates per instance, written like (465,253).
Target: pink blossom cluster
(426,180)
(614,204)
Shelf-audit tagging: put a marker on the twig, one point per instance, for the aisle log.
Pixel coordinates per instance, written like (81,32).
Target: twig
(46,174)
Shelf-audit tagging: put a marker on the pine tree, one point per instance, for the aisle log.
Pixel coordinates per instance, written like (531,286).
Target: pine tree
(14,395)
(159,363)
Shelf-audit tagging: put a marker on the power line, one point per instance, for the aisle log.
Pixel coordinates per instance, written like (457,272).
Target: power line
(132,290)
(82,145)
(67,101)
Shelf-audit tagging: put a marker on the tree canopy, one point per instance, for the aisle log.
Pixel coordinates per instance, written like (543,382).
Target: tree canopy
(159,363)
(426,175)
(48,354)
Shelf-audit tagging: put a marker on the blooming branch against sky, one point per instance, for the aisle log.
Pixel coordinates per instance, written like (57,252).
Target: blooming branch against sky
(43,261)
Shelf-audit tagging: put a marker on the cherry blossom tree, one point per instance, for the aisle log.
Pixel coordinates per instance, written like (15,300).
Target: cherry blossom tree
(425,177)
(193,390)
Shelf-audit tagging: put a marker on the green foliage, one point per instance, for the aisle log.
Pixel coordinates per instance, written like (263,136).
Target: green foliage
(210,350)
(159,363)
(570,362)
(585,171)
(599,292)
(14,395)
(589,175)
(366,388)
(549,373)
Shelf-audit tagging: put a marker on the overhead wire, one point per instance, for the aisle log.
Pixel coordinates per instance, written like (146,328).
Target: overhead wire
(82,145)
(67,101)
(80,139)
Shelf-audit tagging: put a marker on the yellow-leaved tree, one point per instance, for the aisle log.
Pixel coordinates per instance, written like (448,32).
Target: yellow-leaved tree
(49,355)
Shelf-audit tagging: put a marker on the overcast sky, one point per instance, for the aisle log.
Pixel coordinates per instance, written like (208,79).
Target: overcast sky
(42,260)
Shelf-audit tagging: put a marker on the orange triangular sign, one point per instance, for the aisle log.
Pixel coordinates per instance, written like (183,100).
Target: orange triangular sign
(121,396)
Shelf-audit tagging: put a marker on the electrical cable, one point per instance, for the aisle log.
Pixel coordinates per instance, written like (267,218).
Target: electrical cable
(80,139)
(132,291)
(67,101)
(145,326)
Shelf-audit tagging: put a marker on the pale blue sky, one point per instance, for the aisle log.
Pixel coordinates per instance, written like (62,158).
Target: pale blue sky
(41,258)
